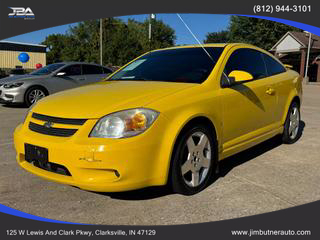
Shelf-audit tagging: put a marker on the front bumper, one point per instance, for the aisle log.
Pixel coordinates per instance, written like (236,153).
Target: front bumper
(14,95)
(104,165)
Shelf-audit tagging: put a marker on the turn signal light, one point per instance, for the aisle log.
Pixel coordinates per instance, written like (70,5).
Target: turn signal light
(137,122)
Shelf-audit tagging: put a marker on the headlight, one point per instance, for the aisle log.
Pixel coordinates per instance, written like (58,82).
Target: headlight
(12,85)
(123,124)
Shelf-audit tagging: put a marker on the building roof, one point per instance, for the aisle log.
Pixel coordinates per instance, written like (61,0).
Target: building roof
(304,39)
(29,44)
(22,47)
(301,38)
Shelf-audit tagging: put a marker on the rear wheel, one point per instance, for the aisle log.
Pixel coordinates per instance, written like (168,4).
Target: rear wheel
(34,94)
(292,124)
(193,161)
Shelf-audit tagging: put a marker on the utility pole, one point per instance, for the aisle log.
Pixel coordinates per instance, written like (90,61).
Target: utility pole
(151,16)
(149,29)
(101,60)
(308,55)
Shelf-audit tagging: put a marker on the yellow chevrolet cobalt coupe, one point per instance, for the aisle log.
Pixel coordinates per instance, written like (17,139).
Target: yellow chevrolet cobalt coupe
(167,117)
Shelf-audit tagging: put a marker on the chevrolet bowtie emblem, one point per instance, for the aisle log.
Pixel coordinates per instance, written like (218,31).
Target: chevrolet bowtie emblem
(48,124)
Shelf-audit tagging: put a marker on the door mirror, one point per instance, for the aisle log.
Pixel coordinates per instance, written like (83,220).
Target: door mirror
(287,66)
(238,76)
(59,74)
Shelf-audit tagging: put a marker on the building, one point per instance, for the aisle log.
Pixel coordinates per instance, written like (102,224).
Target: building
(292,49)
(9,52)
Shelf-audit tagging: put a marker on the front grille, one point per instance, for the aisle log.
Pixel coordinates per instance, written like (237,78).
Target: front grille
(51,167)
(60,132)
(71,121)
(47,126)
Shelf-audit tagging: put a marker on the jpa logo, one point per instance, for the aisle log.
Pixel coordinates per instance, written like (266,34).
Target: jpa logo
(21,12)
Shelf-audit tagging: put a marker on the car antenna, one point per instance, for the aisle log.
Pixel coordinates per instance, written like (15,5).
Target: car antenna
(194,36)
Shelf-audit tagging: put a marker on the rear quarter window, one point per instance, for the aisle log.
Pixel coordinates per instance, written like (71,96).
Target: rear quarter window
(273,66)
(106,70)
(91,69)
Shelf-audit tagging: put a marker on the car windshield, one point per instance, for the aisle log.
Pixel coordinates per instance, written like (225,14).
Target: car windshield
(188,65)
(48,69)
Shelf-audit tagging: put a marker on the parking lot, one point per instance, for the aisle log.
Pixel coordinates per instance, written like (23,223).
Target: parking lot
(268,177)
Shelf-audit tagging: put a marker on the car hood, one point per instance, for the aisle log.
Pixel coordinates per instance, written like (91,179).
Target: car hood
(19,78)
(97,100)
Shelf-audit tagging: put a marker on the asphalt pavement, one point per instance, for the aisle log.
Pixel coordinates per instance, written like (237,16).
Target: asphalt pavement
(265,178)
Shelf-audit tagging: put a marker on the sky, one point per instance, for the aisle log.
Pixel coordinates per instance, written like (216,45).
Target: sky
(200,24)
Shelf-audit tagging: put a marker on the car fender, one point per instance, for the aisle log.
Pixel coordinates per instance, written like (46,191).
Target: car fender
(174,128)
(295,92)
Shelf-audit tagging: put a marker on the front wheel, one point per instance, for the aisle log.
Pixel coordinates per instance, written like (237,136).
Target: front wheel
(292,124)
(33,95)
(194,160)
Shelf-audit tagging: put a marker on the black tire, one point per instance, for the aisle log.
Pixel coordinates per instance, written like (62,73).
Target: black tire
(289,136)
(178,181)
(27,96)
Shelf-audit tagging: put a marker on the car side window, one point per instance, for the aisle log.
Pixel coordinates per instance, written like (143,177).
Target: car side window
(72,70)
(248,60)
(106,70)
(273,66)
(91,69)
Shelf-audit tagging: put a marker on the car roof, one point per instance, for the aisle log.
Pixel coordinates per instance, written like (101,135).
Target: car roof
(208,45)
(70,63)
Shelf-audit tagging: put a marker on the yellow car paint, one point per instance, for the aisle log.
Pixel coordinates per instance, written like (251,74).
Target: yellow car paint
(240,75)
(241,119)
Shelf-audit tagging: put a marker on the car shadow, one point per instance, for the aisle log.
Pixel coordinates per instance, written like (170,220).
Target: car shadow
(248,93)
(14,105)
(225,166)
(140,194)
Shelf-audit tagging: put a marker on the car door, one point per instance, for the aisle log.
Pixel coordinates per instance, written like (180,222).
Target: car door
(248,108)
(93,73)
(71,77)
(278,74)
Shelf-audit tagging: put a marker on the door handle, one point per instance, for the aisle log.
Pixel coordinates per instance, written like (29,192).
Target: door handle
(81,79)
(270,91)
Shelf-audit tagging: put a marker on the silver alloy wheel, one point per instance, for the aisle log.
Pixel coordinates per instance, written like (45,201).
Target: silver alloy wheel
(294,122)
(36,95)
(195,169)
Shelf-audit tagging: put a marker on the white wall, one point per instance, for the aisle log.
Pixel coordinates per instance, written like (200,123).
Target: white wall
(288,44)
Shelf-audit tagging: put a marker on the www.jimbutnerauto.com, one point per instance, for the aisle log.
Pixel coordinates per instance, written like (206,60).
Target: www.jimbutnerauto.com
(261,232)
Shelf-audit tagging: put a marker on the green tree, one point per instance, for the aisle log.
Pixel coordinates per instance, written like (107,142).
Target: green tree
(217,37)
(121,41)
(83,42)
(256,31)
(56,44)
(162,35)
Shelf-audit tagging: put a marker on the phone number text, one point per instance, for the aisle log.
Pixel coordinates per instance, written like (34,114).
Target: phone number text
(281,8)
